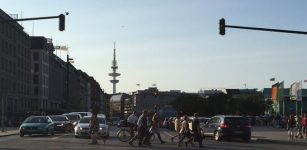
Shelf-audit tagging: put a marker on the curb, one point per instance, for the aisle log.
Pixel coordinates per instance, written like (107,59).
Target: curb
(9,134)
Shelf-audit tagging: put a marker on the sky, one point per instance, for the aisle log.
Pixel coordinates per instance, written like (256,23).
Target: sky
(175,44)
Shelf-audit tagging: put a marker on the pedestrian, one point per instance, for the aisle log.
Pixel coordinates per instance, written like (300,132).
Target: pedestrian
(290,127)
(94,128)
(304,125)
(131,121)
(155,127)
(298,121)
(143,131)
(177,128)
(185,132)
(197,131)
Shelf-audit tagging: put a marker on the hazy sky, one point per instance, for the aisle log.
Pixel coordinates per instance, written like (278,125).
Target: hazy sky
(175,43)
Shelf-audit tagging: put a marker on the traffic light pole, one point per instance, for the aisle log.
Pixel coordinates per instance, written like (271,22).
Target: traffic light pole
(223,26)
(61,20)
(27,19)
(266,29)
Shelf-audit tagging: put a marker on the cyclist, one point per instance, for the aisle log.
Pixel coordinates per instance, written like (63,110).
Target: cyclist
(291,125)
(131,121)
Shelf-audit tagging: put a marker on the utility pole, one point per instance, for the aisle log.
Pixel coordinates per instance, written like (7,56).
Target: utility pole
(2,114)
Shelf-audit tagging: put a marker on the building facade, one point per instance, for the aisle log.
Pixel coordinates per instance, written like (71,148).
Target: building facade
(15,71)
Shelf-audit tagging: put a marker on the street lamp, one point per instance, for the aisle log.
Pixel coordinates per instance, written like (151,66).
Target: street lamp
(68,60)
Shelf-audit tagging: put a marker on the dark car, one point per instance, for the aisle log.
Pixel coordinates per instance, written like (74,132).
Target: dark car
(227,126)
(61,123)
(37,125)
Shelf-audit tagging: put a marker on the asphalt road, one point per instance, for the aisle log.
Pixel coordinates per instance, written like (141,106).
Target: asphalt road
(68,141)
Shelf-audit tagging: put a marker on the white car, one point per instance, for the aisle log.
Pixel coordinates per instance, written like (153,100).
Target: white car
(82,128)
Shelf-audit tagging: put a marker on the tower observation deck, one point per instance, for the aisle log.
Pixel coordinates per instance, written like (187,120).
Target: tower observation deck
(114,74)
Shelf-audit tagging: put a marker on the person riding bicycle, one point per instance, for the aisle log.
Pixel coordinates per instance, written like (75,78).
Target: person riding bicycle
(132,121)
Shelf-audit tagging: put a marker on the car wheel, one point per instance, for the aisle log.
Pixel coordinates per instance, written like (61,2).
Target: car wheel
(247,139)
(21,135)
(76,136)
(52,133)
(46,133)
(217,136)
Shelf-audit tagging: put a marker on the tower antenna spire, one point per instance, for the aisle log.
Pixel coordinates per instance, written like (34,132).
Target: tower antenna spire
(114,74)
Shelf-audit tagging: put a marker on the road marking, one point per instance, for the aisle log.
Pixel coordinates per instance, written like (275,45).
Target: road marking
(165,132)
(54,138)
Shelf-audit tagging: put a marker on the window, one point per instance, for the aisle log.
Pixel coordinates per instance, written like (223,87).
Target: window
(35,91)
(36,67)
(35,79)
(35,56)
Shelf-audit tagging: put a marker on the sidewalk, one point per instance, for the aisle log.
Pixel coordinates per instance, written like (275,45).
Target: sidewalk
(9,131)
(272,134)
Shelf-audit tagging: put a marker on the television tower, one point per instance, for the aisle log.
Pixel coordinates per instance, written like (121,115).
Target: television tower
(114,74)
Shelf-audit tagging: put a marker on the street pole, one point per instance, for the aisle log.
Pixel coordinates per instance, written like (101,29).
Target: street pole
(67,83)
(2,114)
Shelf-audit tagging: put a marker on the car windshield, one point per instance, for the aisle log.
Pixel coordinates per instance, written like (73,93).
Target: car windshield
(58,118)
(36,120)
(72,117)
(235,121)
(87,120)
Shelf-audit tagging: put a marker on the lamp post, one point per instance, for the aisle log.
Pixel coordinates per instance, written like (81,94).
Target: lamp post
(67,76)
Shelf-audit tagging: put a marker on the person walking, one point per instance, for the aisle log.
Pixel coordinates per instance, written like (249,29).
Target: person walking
(94,128)
(155,127)
(298,120)
(185,132)
(142,131)
(131,121)
(304,126)
(177,128)
(197,131)
(290,127)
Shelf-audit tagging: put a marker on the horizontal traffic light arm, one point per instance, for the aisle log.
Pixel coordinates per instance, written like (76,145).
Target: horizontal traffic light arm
(27,19)
(266,29)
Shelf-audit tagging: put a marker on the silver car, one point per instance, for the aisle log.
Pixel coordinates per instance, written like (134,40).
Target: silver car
(82,128)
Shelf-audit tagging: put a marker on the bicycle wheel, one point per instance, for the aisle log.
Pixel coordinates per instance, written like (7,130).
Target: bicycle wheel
(124,135)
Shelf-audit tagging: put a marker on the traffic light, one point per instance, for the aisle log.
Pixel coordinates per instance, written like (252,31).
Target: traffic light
(222,26)
(61,22)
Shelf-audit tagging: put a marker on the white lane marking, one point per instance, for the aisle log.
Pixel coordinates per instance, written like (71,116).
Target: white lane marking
(168,134)
(54,138)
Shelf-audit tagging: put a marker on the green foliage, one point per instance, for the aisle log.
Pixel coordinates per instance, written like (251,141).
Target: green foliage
(251,104)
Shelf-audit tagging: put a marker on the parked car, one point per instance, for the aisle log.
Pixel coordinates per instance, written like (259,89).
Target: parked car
(227,126)
(114,120)
(83,126)
(73,118)
(61,123)
(202,121)
(37,125)
(82,113)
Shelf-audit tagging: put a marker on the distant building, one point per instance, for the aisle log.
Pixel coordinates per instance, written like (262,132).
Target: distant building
(117,105)
(152,99)
(15,71)
(285,105)
(40,51)
(209,92)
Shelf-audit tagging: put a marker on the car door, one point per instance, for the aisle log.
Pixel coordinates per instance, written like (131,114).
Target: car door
(210,126)
(50,124)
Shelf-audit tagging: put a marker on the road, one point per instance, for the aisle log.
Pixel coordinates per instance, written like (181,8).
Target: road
(68,141)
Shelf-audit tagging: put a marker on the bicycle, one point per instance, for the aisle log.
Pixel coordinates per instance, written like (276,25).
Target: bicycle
(125,135)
